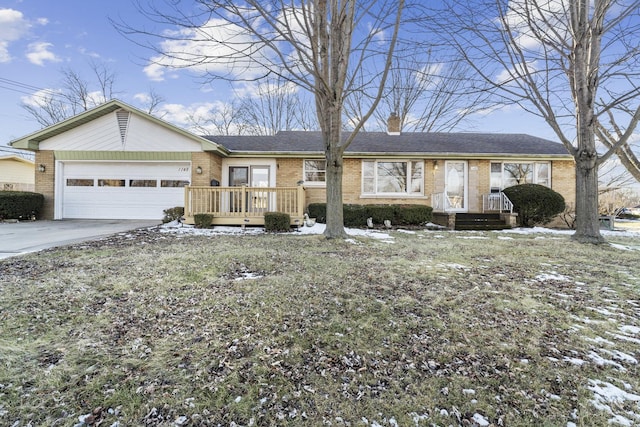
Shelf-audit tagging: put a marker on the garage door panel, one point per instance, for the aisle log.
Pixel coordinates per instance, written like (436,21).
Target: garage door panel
(104,190)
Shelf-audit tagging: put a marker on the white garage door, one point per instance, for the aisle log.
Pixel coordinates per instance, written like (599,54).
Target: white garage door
(122,190)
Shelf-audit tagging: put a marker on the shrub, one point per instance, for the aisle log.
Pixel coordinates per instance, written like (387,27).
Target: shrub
(568,216)
(202,220)
(172,214)
(378,213)
(356,215)
(318,211)
(20,204)
(413,214)
(535,204)
(277,221)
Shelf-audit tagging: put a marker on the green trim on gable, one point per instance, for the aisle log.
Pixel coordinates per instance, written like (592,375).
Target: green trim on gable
(123,155)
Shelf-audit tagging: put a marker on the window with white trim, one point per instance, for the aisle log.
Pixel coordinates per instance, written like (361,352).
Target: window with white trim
(508,174)
(315,171)
(392,177)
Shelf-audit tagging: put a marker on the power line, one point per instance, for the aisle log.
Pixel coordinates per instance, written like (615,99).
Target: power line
(27,89)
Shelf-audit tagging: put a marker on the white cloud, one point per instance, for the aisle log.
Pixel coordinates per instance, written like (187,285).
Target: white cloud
(39,52)
(532,20)
(4,52)
(217,47)
(142,97)
(507,77)
(13,26)
(265,88)
(40,98)
(186,115)
(201,118)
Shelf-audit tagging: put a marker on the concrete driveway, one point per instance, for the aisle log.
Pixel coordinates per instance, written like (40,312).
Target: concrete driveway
(31,236)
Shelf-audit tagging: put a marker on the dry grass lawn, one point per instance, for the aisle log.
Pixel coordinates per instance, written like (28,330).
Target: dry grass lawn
(431,328)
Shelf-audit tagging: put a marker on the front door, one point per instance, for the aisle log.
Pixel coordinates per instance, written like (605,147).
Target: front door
(253,177)
(456,186)
(259,199)
(238,177)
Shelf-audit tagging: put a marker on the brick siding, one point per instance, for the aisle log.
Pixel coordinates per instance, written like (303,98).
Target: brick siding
(45,182)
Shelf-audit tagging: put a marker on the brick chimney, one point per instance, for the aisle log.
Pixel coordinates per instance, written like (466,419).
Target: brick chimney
(393,124)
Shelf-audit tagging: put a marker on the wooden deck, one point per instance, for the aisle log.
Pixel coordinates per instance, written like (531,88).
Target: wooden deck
(243,205)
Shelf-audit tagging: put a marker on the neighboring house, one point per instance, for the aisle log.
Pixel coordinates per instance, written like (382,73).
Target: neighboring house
(115,161)
(16,174)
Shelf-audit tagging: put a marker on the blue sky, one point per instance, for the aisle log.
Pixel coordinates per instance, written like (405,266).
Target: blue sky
(38,38)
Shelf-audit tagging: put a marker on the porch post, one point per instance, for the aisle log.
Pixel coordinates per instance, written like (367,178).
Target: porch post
(243,200)
(300,200)
(187,210)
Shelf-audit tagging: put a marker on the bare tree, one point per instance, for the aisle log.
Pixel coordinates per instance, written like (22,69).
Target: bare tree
(315,44)
(430,93)
(151,101)
(219,118)
(571,62)
(274,106)
(77,94)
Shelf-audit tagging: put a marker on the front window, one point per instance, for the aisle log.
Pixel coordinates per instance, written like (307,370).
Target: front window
(505,175)
(315,171)
(392,177)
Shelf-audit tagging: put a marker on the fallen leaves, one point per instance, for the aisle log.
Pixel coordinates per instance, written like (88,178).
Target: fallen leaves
(161,330)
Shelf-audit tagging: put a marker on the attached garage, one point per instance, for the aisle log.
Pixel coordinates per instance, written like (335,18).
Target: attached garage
(120,190)
(117,162)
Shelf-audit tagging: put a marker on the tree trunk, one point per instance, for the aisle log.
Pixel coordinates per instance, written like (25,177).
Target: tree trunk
(335,215)
(587,216)
(584,78)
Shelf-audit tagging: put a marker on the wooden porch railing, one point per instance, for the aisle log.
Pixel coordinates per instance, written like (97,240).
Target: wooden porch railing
(243,205)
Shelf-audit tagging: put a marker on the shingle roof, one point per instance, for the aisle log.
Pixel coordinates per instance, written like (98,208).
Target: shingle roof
(407,143)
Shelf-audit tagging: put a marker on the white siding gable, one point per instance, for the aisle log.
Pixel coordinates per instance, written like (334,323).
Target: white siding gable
(104,134)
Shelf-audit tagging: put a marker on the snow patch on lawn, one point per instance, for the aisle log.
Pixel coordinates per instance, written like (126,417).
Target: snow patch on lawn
(607,395)
(177,228)
(552,276)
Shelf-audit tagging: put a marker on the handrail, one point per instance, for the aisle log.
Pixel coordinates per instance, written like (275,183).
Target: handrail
(440,202)
(496,202)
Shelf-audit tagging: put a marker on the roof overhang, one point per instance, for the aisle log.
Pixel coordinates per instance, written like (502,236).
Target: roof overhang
(32,141)
(428,156)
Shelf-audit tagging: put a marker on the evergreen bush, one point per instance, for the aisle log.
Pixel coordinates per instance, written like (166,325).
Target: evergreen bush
(356,215)
(172,214)
(412,214)
(535,204)
(20,204)
(202,220)
(318,211)
(277,221)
